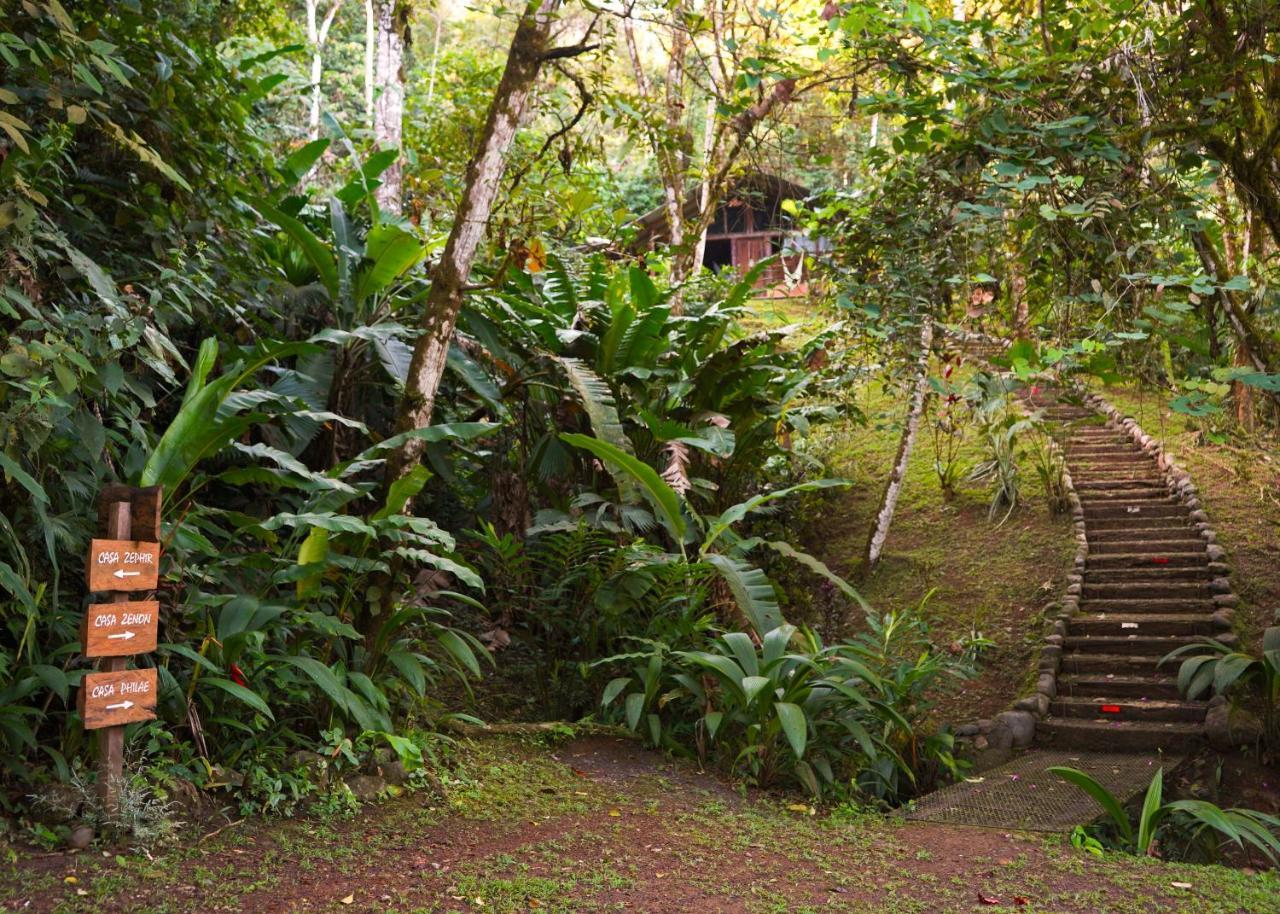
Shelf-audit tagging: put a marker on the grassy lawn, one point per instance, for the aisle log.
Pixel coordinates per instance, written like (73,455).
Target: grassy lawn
(598,824)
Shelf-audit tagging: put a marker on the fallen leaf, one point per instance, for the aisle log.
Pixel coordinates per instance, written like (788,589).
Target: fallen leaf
(987,899)
(615,813)
(349,899)
(1180,885)
(1019,900)
(70,880)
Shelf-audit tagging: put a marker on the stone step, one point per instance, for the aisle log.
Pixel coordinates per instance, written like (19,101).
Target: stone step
(1089,664)
(1144,625)
(1149,574)
(1153,709)
(1131,510)
(1140,477)
(1120,560)
(1111,685)
(1125,521)
(1092,432)
(1157,547)
(1160,528)
(1159,645)
(1104,437)
(1106,456)
(1147,605)
(1144,494)
(1108,485)
(1145,590)
(1118,735)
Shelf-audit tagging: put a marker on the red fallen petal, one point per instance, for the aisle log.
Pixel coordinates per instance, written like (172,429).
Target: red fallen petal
(1160,560)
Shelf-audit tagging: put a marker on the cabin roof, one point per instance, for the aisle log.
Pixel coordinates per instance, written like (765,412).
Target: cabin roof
(764,184)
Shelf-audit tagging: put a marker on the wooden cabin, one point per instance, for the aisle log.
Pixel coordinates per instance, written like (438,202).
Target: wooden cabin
(749,225)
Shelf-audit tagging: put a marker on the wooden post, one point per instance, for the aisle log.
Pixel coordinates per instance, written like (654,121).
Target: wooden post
(111,739)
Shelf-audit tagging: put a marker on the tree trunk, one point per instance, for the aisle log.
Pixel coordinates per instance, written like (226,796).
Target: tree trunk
(391,40)
(370,49)
(435,57)
(897,476)
(449,278)
(317,35)
(663,156)
(704,194)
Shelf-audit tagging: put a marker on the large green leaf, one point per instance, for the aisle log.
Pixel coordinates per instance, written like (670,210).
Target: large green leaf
(621,464)
(202,426)
(390,252)
(317,252)
(751,590)
(816,565)
(794,725)
(1104,798)
(720,524)
(252,699)
(602,411)
(1151,815)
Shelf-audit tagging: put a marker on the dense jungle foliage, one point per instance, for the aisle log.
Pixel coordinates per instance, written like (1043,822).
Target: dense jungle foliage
(224,263)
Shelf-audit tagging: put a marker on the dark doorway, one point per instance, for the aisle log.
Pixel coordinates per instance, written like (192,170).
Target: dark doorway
(718,254)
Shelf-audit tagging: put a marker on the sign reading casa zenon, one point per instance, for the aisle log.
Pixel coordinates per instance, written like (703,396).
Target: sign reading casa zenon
(116,698)
(120,629)
(123,565)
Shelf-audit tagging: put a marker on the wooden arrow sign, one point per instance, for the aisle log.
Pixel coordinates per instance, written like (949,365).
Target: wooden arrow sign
(116,698)
(120,629)
(123,565)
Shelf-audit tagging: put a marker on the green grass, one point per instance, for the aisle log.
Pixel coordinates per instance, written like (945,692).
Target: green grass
(525,831)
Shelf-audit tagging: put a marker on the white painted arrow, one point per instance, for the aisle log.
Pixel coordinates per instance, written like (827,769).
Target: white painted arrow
(121,573)
(121,706)
(122,635)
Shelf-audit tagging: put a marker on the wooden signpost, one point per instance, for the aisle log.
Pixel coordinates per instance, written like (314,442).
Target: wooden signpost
(116,628)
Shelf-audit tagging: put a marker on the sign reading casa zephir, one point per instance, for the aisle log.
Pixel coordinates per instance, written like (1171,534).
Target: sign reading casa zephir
(123,565)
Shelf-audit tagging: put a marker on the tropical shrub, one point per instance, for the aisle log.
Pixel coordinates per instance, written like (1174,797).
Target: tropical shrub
(1200,827)
(845,719)
(1224,670)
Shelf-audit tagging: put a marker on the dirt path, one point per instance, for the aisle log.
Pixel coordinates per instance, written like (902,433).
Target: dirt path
(601,825)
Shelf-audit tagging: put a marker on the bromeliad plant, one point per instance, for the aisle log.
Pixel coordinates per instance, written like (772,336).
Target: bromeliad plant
(1202,827)
(1218,667)
(782,708)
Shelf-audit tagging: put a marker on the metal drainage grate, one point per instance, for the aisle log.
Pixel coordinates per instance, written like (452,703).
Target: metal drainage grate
(1021,794)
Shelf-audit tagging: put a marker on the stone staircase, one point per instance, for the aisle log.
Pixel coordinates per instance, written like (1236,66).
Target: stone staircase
(1146,588)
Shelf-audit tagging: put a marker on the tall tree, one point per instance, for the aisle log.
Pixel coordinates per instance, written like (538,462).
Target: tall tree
(525,59)
(390,45)
(317,37)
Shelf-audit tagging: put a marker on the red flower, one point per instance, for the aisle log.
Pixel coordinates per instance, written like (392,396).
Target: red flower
(237,675)
(1035,390)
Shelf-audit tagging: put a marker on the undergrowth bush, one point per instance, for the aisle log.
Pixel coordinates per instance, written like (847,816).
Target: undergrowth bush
(848,719)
